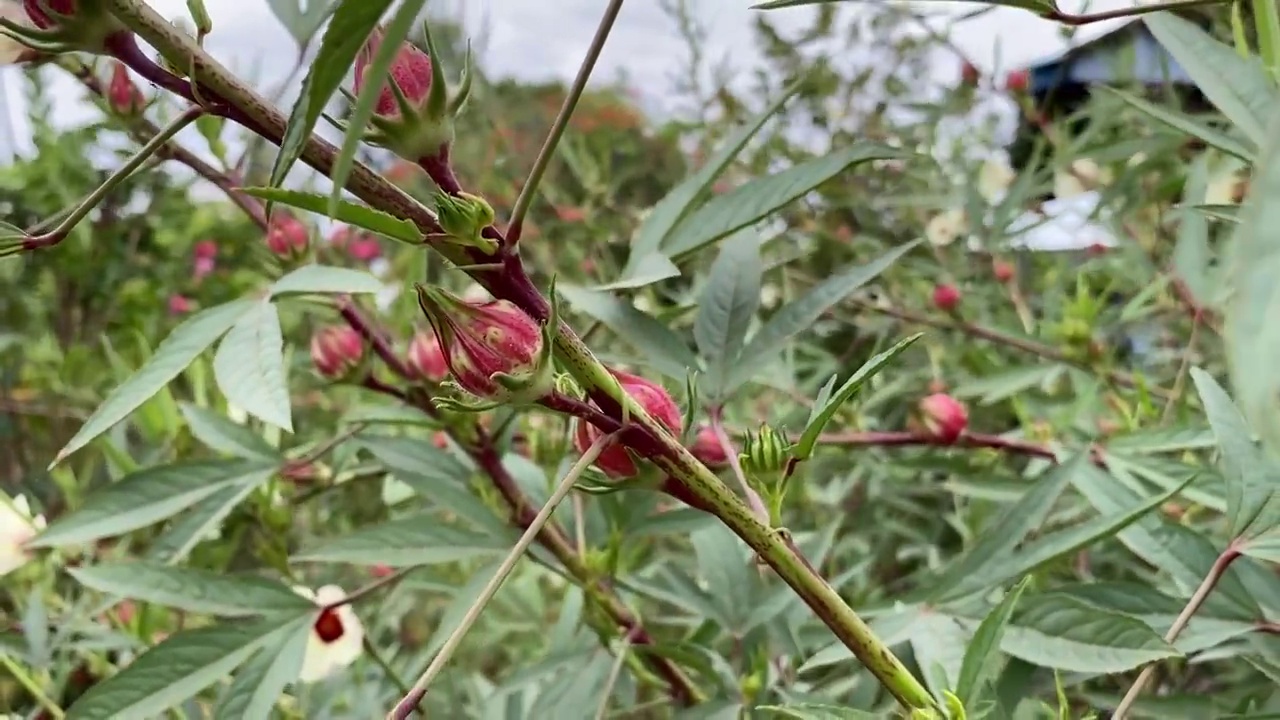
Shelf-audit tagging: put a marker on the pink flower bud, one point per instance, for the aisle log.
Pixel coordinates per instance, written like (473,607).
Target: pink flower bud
(340,236)
(1017,81)
(1003,270)
(614,461)
(206,249)
(364,248)
(122,95)
(707,448)
(410,71)
(380,570)
(946,297)
(179,305)
(969,74)
(36,11)
(287,237)
(944,416)
(482,339)
(336,351)
(426,358)
(202,267)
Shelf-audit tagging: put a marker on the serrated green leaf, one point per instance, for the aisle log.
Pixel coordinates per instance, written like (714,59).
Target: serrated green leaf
(1187,124)
(149,496)
(796,317)
(219,433)
(253,693)
(1237,86)
(346,34)
(361,216)
(394,35)
(174,354)
(1019,521)
(673,207)
(419,540)
(982,659)
(1191,255)
(324,279)
(814,711)
(177,542)
(1252,479)
(191,589)
(176,669)
(726,214)
(724,567)
(249,366)
(302,18)
(1056,631)
(665,351)
(726,308)
(648,270)
(823,414)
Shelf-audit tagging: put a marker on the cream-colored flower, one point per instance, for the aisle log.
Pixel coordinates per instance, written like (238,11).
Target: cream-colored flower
(945,227)
(476,294)
(994,179)
(12,51)
(769,296)
(1224,189)
(337,636)
(1082,176)
(17,526)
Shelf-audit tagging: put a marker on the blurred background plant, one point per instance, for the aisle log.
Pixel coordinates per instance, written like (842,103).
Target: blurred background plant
(1062,394)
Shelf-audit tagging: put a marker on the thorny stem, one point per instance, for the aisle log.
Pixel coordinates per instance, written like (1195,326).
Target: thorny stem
(525,199)
(1211,579)
(690,481)
(67,224)
(726,444)
(410,701)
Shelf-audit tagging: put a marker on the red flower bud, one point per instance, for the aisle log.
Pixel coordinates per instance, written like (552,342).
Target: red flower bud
(340,236)
(122,95)
(946,297)
(944,416)
(203,267)
(364,248)
(969,74)
(336,351)
(1003,270)
(206,249)
(381,571)
(707,448)
(1017,81)
(36,11)
(179,305)
(482,339)
(410,71)
(614,461)
(426,358)
(287,237)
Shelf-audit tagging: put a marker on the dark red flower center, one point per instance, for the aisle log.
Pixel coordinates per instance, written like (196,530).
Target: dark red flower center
(329,625)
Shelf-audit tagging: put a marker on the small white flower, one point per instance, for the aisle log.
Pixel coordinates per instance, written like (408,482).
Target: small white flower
(1223,189)
(1083,176)
(994,180)
(643,303)
(17,526)
(337,636)
(12,51)
(770,295)
(945,227)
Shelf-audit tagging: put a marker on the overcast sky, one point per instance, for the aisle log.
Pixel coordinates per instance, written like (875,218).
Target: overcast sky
(528,39)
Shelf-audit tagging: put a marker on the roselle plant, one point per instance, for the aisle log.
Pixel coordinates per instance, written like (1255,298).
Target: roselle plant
(492,376)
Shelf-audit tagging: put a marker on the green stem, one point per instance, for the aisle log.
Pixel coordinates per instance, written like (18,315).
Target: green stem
(156,144)
(525,199)
(1237,29)
(31,687)
(411,699)
(1266,19)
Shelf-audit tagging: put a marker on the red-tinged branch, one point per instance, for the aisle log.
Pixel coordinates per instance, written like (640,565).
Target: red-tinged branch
(967,441)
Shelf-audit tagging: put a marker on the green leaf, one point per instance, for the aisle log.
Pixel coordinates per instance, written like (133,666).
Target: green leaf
(262,680)
(394,35)
(823,413)
(302,18)
(1061,632)
(1250,333)
(982,659)
(1191,255)
(648,270)
(346,34)
(419,540)
(219,433)
(1187,124)
(326,280)
(813,711)
(669,211)
(249,366)
(361,216)
(1026,516)
(176,669)
(174,354)
(1251,479)
(1236,85)
(665,351)
(191,589)
(149,496)
(1036,6)
(726,307)
(177,542)
(796,317)
(746,205)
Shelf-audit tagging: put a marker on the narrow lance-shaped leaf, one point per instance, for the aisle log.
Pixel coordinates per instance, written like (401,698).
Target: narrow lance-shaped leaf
(174,354)
(191,589)
(361,216)
(666,351)
(219,433)
(422,540)
(262,680)
(1189,125)
(249,366)
(982,659)
(726,307)
(1057,631)
(324,279)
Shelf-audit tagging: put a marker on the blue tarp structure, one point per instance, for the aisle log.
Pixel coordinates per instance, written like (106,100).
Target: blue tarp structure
(1128,54)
